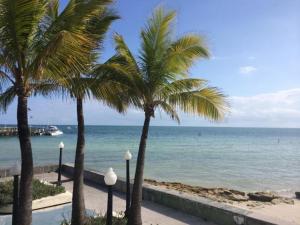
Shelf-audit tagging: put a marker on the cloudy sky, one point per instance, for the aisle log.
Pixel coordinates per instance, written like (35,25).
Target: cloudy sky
(255,48)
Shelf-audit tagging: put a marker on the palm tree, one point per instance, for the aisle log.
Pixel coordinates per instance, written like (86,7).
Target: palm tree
(37,44)
(159,80)
(81,86)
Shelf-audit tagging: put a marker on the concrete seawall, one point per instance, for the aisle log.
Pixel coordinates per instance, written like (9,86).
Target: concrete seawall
(206,209)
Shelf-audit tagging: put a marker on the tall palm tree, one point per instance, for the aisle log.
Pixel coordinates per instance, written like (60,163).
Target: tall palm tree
(38,44)
(81,86)
(159,80)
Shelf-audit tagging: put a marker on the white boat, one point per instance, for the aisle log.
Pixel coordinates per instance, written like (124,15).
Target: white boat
(53,131)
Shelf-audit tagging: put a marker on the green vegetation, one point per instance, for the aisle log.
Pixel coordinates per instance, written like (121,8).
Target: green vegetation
(40,190)
(100,220)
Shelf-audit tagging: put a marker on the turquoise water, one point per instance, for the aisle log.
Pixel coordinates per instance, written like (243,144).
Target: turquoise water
(243,158)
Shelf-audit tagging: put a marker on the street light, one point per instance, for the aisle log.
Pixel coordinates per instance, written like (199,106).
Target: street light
(127,157)
(61,147)
(110,179)
(15,171)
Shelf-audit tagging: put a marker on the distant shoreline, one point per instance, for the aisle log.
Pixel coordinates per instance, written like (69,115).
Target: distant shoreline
(113,125)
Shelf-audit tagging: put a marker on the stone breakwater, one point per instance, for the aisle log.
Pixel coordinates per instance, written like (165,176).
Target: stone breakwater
(225,195)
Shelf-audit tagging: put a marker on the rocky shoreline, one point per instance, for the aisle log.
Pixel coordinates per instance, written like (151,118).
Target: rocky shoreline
(230,196)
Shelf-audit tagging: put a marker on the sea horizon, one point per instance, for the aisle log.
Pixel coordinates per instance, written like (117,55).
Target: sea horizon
(155,125)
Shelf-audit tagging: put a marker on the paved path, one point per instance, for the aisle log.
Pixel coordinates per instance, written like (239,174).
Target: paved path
(154,214)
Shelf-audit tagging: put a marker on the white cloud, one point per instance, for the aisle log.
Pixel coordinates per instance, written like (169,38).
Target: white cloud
(247,69)
(278,109)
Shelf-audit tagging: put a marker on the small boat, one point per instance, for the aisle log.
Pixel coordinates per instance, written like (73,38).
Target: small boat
(53,131)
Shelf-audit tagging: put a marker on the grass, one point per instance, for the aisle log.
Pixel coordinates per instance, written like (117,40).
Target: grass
(99,220)
(39,190)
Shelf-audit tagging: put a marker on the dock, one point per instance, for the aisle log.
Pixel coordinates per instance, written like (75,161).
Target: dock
(13,131)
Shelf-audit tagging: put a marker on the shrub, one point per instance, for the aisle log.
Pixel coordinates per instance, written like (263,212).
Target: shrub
(39,190)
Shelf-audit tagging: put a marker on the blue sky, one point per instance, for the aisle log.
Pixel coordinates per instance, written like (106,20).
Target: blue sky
(255,47)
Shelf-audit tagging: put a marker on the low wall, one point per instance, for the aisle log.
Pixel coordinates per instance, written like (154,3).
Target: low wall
(206,209)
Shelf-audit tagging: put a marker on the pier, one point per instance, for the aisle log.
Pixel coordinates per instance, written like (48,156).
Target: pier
(13,131)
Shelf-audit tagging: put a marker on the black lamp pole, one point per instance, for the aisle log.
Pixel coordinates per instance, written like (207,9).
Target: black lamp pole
(15,200)
(59,168)
(109,206)
(127,188)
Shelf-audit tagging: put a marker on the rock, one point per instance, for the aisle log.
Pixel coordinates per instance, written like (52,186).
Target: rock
(297,193)
(238,192)
(287,201)
(262,196)
(234,197)
(253,204)
(276,201)
(238,198)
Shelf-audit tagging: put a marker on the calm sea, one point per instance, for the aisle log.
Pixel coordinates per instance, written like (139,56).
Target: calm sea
(243,158)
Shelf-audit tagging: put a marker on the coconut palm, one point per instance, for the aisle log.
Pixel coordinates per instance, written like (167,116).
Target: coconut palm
(81,86)
(37,45)
(159,80)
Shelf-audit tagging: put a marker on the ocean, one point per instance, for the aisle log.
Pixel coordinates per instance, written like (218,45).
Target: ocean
(249,159)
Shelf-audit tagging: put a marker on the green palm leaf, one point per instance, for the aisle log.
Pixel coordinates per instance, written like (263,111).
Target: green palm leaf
(6,98)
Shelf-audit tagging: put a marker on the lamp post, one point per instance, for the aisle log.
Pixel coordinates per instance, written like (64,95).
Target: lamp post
(61,147)
(127,157)
(110,179)
(15,171)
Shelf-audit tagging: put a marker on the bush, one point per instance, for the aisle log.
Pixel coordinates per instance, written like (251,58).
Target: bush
(39,190)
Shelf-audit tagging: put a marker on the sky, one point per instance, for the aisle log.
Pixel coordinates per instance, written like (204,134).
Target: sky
(255,61)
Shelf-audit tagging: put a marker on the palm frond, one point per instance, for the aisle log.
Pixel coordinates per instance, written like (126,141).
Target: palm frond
(183,53)
(53,8)
(156,36)
(6,98)
(98,25)
(125,53)
(208,102)
(168,109)
(67,52)
(111,93)
(178,86)
(47,88)
(19,21)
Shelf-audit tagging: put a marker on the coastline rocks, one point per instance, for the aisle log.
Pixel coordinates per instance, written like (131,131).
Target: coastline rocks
(269,197)
(235,195)
(216,194)
(262,196)
(282,200)
(297,193)
(224,195)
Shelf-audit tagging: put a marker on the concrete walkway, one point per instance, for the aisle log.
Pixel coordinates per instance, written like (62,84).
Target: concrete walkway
(153,214)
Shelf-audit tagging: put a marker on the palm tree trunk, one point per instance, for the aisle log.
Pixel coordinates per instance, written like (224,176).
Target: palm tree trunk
(78,206)
(25,208)
(135,216)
